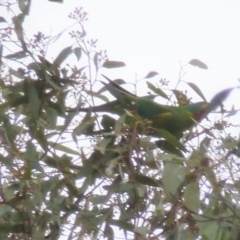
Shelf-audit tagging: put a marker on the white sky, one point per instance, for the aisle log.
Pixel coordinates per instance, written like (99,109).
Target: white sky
(157,35)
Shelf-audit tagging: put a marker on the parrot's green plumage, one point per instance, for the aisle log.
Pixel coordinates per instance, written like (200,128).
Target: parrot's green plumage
(173,119)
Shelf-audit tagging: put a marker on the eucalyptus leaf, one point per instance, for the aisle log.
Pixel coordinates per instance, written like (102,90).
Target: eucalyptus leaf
(157,90)
(151,74)
(62,56)
(173,177)
(198,63)
(197,90)
(113,64)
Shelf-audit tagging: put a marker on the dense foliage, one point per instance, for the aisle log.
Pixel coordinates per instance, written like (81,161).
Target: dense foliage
(89,175)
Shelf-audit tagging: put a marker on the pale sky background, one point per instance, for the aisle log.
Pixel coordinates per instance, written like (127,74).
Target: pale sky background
(156,35)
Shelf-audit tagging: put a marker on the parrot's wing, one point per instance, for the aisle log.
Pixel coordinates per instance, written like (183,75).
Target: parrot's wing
(118,87)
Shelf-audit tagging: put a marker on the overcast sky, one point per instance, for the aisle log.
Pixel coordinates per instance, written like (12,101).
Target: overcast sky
(155,35)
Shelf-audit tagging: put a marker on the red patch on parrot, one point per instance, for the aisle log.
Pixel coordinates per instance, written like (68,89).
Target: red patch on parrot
(198,117)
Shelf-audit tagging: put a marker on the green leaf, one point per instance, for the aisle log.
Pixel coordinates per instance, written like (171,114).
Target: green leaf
(109,87)
(171,139)
(143,230)
(17,21)
(108,122)
(2,19)
(31,155)
(146,180)
(210,229)
(86,125)
(113,64)
(103,144)
(158,91)
(98,95)
(73,190)
(33,99)
(57,107)
(41,138)
(86,170)
(192,196)
(182,233)
(9,192)
(197,90)
(95,60)
(16,73)
(51,83)
(7,161)
(4,208)
(181,97)
(122,224)
(8,129)
(1,54)
(108,232)
(17,55)
(168,147)
(126,187)
(55,162)
(98,199)
(117,91)
(62,56)
(232,112)
(198,63)
(46,65)
(24,6)
(16,100)
(63,148)
(119,124)
(52,115)
(36,66)
(173,177)
(151,74)
(12,228)
(57,1)
(78,52)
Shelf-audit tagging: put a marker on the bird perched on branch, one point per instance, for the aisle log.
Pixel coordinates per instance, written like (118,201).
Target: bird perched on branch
(173,119)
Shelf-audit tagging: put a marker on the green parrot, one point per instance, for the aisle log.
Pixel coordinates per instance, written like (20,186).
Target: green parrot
(155,116)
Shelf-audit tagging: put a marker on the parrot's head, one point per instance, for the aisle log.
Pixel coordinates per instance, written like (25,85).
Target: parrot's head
(199,110)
